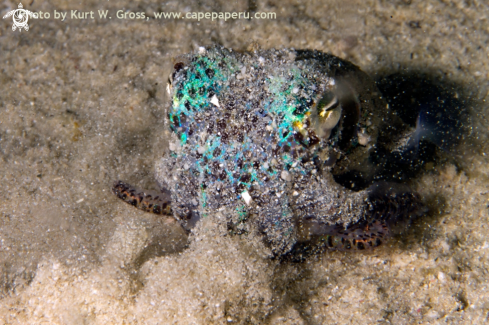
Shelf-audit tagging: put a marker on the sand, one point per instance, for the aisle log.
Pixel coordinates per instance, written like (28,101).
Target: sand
(82,104)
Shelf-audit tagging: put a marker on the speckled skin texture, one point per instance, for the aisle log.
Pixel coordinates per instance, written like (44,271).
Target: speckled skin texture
(256,135)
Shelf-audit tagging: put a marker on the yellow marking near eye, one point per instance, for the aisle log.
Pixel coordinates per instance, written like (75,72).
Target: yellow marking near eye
(298,125)
(324,112)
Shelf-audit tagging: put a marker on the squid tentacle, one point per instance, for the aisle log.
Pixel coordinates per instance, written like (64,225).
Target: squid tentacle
(390,208)
(158,203)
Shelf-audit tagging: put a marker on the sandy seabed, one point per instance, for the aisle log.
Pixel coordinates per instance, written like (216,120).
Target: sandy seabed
(82,104)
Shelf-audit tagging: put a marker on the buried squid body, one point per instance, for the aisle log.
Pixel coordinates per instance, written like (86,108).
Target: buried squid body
(257,135)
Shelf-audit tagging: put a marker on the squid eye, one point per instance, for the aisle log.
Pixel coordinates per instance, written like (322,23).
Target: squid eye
(328,114)
(328,102)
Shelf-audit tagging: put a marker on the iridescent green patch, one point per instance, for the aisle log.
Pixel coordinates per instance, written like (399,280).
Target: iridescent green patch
(196,84)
